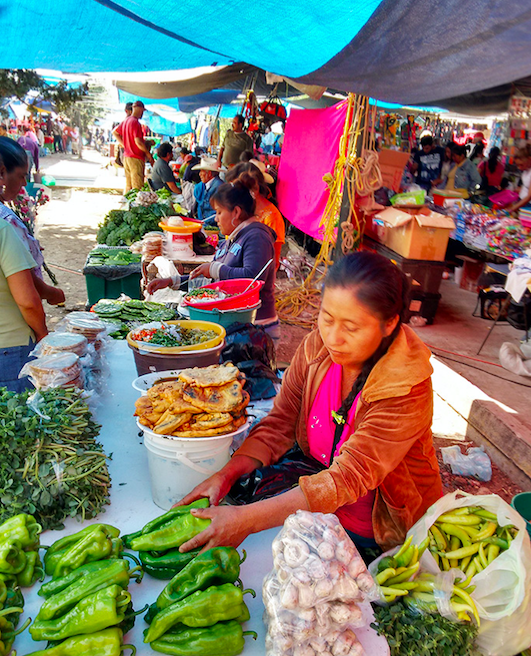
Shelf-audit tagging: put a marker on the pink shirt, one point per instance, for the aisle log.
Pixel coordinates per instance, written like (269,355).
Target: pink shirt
(320,427)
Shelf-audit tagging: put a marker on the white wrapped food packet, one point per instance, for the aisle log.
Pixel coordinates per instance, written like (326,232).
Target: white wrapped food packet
(312,597)
(316,561)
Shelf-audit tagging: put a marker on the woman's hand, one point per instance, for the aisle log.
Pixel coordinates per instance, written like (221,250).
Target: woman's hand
(229,527)
(158,283)
(201,270)
(214,489)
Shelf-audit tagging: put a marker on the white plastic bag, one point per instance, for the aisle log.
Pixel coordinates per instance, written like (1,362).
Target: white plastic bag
(503,589)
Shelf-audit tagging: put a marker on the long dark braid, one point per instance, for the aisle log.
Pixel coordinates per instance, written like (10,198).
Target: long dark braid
(380,286)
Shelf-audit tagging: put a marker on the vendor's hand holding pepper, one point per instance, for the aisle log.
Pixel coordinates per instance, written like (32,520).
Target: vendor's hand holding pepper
(229,527)
(214,489)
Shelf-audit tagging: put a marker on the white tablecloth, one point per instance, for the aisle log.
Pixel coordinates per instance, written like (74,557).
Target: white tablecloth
(132,507)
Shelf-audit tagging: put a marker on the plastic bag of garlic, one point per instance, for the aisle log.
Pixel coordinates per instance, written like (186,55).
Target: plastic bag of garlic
(313,595)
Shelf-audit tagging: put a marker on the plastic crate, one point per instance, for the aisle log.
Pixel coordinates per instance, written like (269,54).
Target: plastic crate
(422,304)
(98,288)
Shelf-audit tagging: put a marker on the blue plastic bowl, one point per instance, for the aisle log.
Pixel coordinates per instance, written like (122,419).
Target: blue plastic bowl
(225,318)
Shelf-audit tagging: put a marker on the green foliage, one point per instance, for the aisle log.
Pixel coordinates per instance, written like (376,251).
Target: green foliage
(123,227)
(411,634)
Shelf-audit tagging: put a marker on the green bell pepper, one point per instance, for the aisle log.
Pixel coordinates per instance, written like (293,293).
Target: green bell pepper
(96,542)
(166,564)
(7,628)
(244,616)
(12,558)
(32,572)
(224,638)
(103,643)
(164,519)
(202,608)
(64,593)
(23,529)
(213,567)
(172,534)
(3,593)
(98,611)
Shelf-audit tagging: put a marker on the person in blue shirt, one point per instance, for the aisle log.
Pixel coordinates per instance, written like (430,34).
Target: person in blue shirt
(203,192)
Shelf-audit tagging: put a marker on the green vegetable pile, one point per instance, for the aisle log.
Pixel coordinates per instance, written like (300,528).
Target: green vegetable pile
(112,257)
(176,336)
(20,563)
(87,606)
(128,315)
(411,634)
(11,605)
(201,610)
(163,194)
(51,465)
(123,227)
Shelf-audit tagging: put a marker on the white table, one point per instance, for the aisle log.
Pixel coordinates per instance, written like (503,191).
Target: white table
(132,507)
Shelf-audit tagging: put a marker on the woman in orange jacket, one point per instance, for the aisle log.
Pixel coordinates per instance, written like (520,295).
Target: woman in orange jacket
(357,399)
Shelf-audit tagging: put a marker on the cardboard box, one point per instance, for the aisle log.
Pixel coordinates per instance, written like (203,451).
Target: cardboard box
(392,165)
(423,236)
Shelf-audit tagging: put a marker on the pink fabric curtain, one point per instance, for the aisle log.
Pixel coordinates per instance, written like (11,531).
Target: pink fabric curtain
(311,144)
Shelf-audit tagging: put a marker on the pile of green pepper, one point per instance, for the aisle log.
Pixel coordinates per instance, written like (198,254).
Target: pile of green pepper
(159,541)
(87,605)
(201,610)
(11,605)
(19,551)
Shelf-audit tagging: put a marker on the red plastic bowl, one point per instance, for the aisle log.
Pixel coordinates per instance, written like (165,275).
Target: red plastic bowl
(235,286)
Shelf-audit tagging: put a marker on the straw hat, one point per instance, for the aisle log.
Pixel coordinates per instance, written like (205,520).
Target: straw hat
(207,164)
(260,165)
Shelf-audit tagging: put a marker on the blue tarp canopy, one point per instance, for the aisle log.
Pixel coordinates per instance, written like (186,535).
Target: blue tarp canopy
(403,51)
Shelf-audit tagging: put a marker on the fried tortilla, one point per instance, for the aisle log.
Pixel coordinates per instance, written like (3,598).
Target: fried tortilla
(169,391)
(215,399)
(143,406)
(213,376)
(210,420)
(169,423)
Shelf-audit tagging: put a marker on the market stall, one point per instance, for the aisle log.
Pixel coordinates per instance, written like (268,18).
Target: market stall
(132,506)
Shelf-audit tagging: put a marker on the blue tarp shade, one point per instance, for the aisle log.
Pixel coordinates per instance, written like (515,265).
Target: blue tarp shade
(405,51)
(187,104)
(227,111)
(160,125)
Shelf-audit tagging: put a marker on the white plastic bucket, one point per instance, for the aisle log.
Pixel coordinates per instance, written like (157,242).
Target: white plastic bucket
(179,245)
(176,465)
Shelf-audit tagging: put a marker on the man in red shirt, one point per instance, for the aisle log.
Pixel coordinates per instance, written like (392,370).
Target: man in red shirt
(129,134)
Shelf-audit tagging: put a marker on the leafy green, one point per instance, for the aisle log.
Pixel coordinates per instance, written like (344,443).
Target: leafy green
(123,227)
(410,633)
(51,465)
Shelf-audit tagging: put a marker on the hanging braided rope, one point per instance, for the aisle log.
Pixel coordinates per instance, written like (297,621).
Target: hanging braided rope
(299,306)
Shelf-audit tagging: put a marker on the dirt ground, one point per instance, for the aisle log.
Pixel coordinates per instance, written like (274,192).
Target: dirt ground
(67,229)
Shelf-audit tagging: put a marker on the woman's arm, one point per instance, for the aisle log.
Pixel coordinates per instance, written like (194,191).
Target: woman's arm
(27,298)
(53,295)
(256,252)
(520,203)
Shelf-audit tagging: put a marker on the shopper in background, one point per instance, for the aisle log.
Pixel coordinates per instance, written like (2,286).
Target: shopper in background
(256,180)
(463,175)
(22,318)
(477,156)
(235,143)
(190,179)
(446,165)
(203,192)
(31,147)
(57,131)
(427,163)
(491,171)
(130,135)
(523,162)
(161,174)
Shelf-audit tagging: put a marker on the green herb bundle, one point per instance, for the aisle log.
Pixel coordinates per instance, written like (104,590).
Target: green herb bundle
(51,465)
(123,227)
(411,634)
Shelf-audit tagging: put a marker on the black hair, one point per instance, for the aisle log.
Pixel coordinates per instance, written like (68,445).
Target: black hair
(494,154)
(185,151)
(246,156)
(198,151)
(477,151)
(381,287)
(427,140)
(164,149)
(240,118)
(459,150)
(232,195)
(248,173)
(129,106)
(12,154)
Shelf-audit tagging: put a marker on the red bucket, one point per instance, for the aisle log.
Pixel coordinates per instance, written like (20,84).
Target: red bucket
(236,302)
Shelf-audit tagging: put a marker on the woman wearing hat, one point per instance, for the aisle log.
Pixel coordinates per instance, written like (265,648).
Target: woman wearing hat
(203,192)
(255,178)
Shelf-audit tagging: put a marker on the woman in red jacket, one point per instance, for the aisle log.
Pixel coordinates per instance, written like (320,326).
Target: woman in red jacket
(357,399)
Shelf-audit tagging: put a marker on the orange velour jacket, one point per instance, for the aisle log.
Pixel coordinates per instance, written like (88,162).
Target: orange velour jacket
(390,449)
